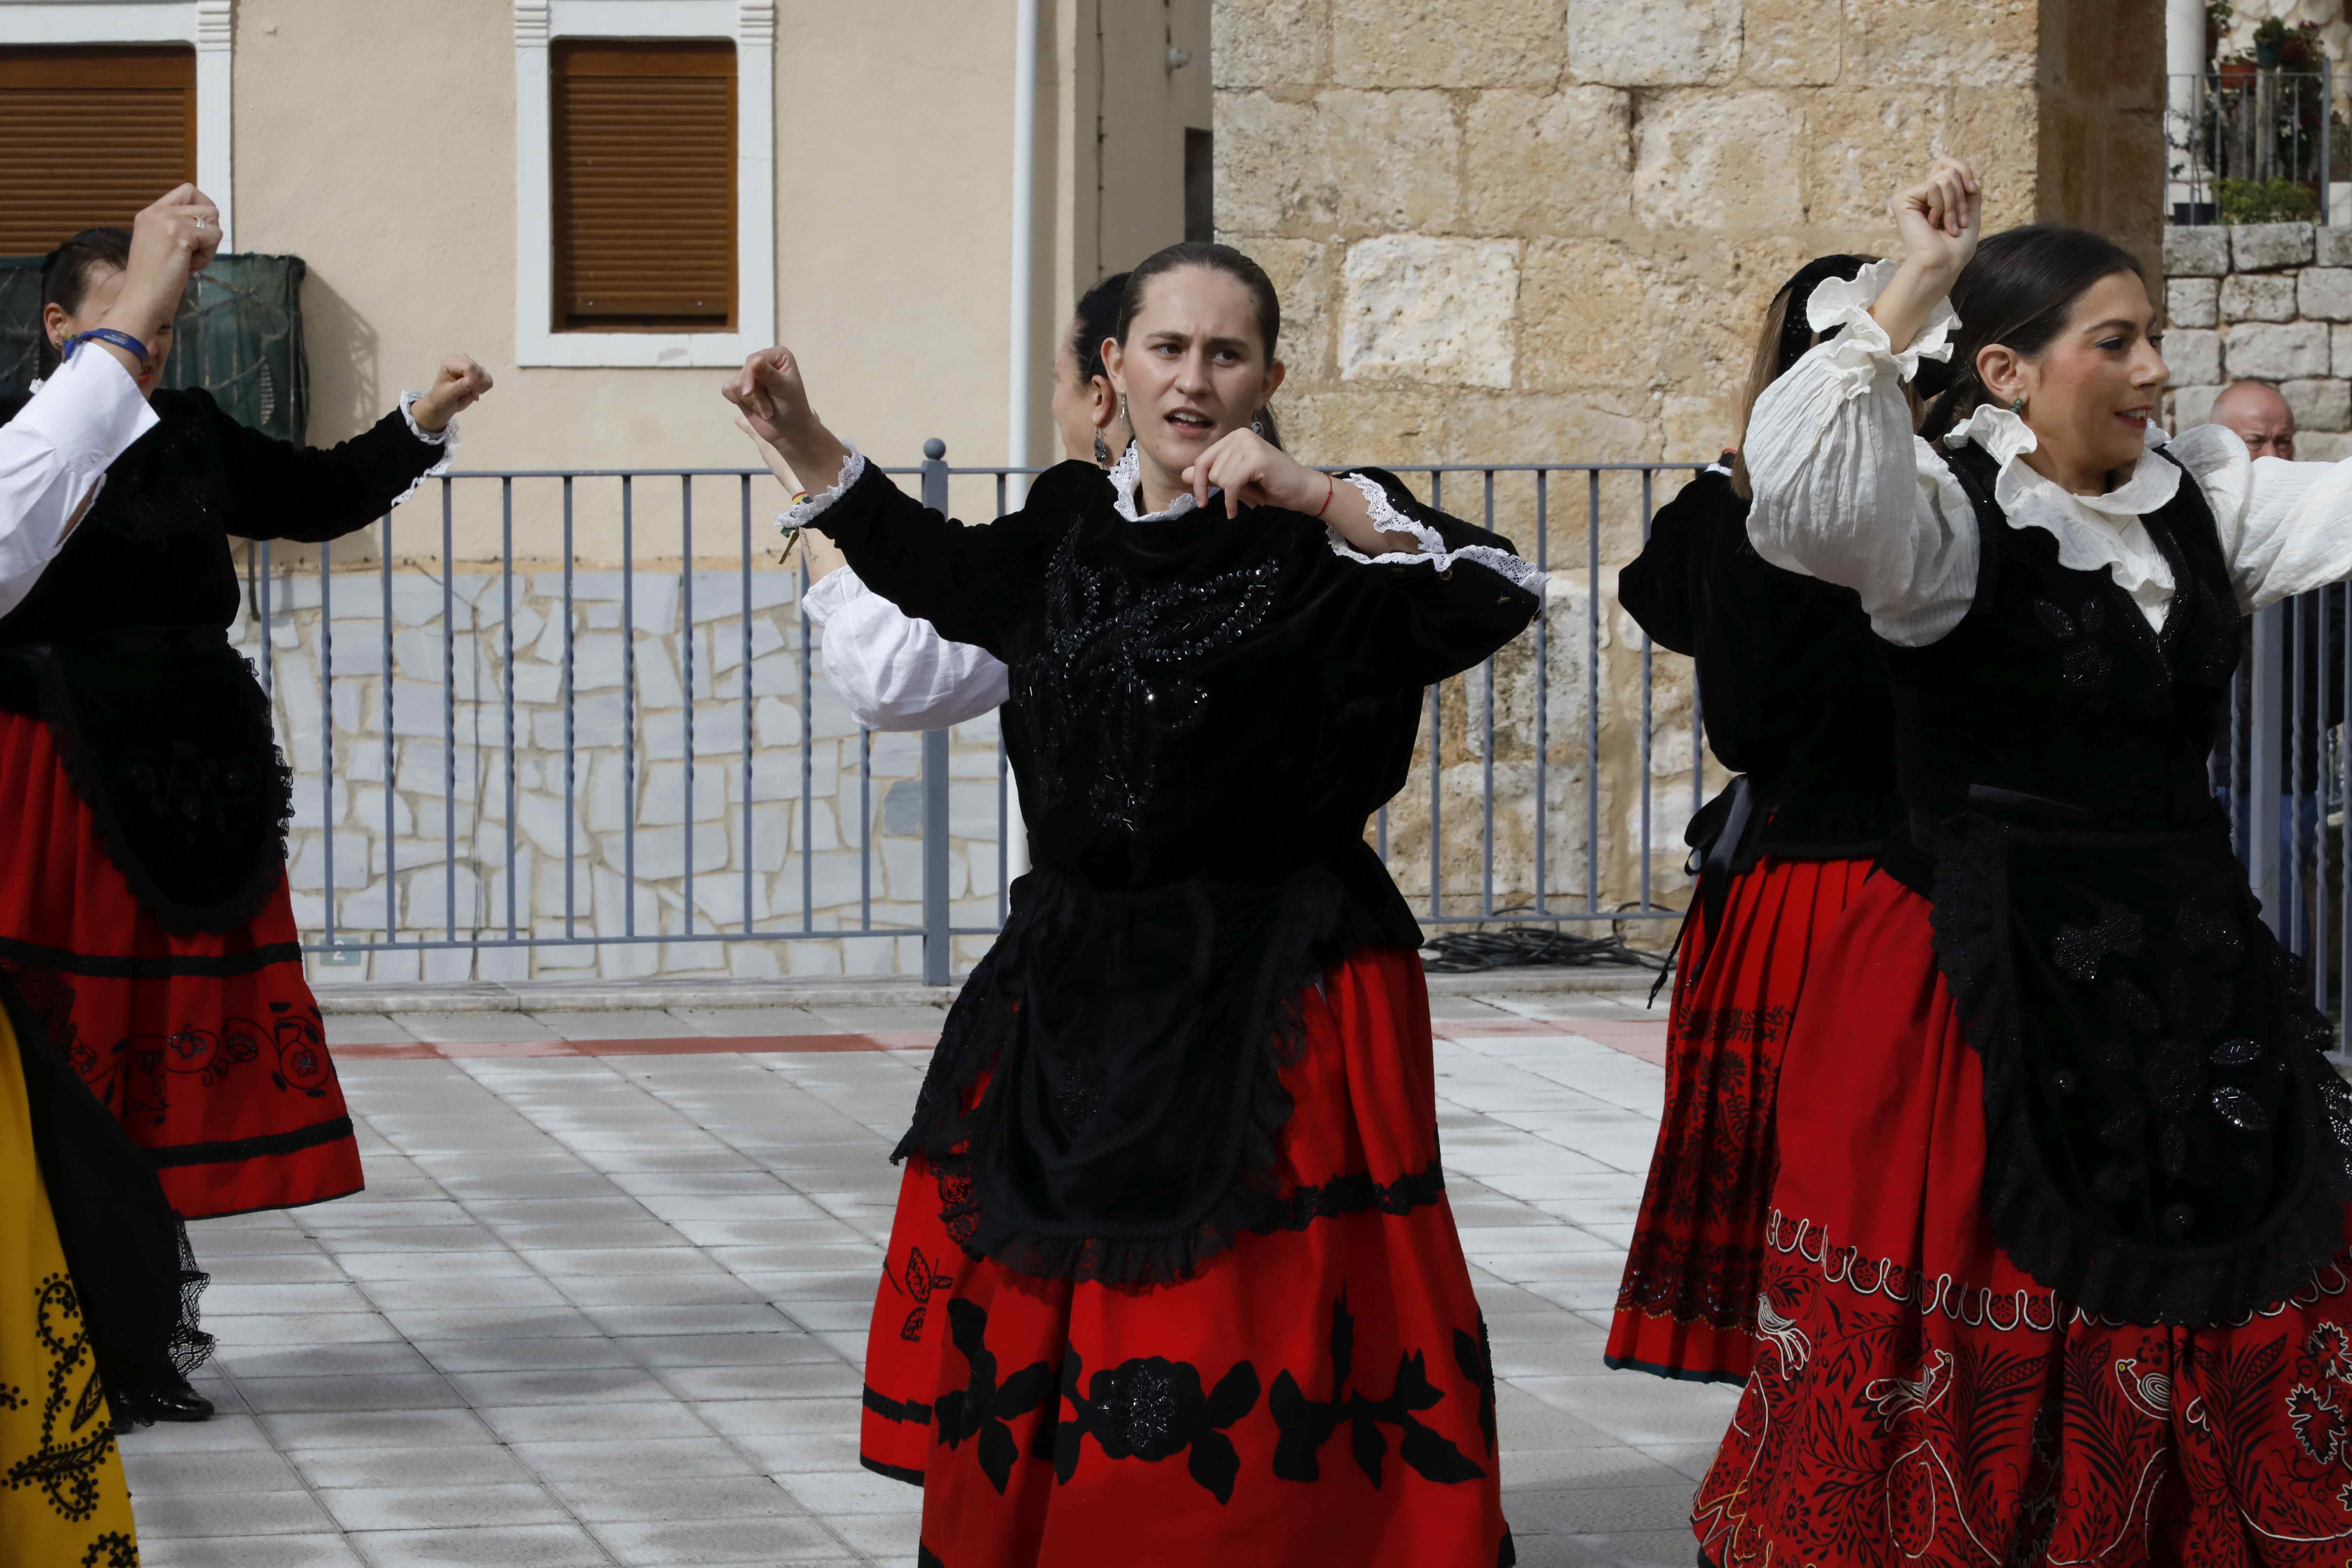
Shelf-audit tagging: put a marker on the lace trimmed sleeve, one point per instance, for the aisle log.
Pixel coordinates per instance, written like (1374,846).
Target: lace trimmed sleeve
(1845,491)
(801,513)
(1434,552)
(446,438)
(2286,527)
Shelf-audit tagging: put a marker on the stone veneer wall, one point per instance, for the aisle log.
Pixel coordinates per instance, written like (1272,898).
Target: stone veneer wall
(2265,302)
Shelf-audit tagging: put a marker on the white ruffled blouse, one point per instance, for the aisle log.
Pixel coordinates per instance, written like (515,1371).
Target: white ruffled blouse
(1846,493)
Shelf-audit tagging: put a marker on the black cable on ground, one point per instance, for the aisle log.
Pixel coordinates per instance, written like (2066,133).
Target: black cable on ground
(1515,946)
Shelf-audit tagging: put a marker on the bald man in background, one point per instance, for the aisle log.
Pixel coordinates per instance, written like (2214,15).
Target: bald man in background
(2259,416)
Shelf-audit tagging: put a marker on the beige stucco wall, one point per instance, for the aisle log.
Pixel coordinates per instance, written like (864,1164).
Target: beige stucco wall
(378,144)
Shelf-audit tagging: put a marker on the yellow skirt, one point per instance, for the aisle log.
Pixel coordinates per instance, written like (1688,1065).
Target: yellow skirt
(63,1502)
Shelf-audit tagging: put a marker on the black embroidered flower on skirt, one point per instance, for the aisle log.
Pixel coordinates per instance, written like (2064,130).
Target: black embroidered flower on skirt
(982,1407)
(1150,1408)
(1306,1424)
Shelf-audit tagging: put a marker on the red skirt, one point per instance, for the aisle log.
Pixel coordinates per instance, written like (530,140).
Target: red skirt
(1919,1400)
(1687,1306)
(1322,1394)
(206,1043)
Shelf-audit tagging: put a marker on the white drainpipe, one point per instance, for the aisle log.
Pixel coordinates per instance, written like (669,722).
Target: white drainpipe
(1020,329)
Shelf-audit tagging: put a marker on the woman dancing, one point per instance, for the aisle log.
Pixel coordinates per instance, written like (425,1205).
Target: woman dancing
(90,1253)
(143,909)
(1790,688)
(1174,1217)
(2056,1267)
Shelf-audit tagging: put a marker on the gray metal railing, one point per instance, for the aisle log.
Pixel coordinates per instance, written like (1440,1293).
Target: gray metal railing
(476,680)
(2240,125)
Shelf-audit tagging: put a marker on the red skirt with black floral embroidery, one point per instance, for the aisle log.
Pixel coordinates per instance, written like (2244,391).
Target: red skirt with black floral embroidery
(1917,1399)
(1687,1306)
(207,1045)
(1319,1395)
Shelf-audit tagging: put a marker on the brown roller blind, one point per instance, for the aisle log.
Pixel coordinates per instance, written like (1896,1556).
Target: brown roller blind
(88,136)
(644,142)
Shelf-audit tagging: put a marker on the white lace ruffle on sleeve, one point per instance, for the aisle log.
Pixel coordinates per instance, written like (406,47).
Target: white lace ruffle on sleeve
(1433,552)
(446,438)
(1860,355)
(801,513)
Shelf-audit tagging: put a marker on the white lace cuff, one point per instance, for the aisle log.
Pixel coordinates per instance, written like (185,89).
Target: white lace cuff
(1861,351)
(446,438)
(801,513)
(1433,552)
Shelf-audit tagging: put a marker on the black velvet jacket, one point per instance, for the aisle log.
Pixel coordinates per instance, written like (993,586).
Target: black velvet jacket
(121,645)
(2164,1140)
(1203,714)
(1789,680)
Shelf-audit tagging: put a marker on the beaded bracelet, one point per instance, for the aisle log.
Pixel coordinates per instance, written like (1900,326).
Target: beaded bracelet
(120,340)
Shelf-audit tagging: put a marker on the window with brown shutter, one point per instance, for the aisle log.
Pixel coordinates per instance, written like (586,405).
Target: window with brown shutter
(88,136)
(644,148)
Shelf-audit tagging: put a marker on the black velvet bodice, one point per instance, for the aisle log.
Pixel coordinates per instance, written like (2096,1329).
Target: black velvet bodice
(1789,685)
(153,551)
(121,647)
(2055,686)
(1204,712)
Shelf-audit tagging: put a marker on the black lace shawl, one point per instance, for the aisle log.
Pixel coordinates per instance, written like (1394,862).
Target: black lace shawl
(121,647)
(1205,711)
(2165,1141)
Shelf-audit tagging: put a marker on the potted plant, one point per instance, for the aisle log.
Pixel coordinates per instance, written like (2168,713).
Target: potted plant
(2300,50)
(2270,41)
(2235,74)
(2219,16)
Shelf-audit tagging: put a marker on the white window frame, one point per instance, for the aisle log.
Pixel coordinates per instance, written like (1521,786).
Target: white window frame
(209,25)
(752,24)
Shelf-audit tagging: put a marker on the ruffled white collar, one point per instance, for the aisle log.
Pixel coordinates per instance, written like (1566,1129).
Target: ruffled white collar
(1127,484)
(2093,533)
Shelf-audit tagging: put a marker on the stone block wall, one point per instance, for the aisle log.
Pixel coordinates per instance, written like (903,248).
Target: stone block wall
(1518,230)
(2265,302)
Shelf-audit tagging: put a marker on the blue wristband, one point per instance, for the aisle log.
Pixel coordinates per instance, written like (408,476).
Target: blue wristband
(120,340)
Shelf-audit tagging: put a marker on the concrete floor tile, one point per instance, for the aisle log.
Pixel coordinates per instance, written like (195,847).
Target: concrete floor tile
(527,1546)
(163,1514)
(680,1498)
(453,1465)
(442,1507)
(633,1459)
(775,1539)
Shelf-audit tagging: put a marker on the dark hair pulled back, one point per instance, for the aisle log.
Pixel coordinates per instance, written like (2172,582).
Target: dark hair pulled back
(2017,291)
(67,272)
(1097,320)
(1216,257)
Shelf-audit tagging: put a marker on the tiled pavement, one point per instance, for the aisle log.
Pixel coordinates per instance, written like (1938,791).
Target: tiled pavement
(604,1302)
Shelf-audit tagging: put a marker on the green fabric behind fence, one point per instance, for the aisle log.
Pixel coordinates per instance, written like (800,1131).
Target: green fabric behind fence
(239,338)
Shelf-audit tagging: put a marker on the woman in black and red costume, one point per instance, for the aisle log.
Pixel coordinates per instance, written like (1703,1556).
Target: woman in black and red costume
(2057,1265)
(144,915)
(1172,1277)
(1794,702)
(93,1314)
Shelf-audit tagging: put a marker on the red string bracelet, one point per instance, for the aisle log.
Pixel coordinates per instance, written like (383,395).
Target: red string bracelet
(1328,494)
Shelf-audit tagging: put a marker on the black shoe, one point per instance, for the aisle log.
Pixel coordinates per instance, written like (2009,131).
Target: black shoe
(174,1402)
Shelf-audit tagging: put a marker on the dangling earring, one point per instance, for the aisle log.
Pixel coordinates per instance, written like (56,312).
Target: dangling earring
(1257,422)
(1102,452)
(2018,407)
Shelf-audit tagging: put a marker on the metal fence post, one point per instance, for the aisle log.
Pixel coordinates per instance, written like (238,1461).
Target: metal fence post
(936,943)
(2265,733)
